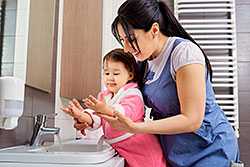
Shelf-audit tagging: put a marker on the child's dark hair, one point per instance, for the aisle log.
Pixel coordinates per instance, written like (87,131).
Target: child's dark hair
(118,55)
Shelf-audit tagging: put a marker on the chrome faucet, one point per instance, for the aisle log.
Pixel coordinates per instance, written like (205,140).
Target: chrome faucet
(40,129)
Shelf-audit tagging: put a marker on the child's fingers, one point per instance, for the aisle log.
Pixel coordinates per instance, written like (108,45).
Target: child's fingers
(65,109)
(83,132)
(93,99)
(86,125)
(80,125)
(68,111)
(73,106)
(77,104)
(88,103)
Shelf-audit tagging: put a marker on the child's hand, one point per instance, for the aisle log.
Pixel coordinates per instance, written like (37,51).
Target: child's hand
(81,126)
(75,110)
(98,106)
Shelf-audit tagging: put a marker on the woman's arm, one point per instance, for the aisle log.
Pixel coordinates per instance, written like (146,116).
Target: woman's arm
(190,80)
(130,105)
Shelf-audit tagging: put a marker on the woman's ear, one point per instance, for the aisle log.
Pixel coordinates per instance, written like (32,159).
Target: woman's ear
(155,29)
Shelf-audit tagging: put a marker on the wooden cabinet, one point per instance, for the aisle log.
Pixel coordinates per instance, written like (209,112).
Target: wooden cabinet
(81,48)
(40,44)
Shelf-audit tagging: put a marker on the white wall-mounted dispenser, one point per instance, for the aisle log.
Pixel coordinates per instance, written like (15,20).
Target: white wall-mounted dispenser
(11,101)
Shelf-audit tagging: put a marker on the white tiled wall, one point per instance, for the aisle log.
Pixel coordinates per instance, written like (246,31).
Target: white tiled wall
(61,120)
(9,38)
(109,13)
(21,41)
(15,38)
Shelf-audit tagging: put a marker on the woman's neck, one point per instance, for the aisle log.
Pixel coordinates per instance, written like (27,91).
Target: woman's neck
(159,48)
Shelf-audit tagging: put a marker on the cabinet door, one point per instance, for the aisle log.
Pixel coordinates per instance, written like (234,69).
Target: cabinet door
(40,44)
(81,48)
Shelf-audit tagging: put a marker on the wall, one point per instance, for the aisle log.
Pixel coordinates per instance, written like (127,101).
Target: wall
(109,10)
(15,44)
(40,44)
(21,38)
(243,36)
(35,101)
(81,48)
(7,68)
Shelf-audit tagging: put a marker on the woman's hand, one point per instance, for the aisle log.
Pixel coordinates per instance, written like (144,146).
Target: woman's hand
(120,122)
(98,106)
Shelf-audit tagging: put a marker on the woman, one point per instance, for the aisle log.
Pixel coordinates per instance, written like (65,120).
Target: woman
(176,84)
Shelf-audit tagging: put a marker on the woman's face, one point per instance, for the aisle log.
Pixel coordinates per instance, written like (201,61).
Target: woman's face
(115,75)
(146,42)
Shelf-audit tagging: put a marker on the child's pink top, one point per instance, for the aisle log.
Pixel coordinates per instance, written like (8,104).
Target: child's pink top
(140,149)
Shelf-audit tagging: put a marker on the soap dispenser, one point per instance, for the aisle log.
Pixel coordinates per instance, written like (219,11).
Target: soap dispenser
(11,101)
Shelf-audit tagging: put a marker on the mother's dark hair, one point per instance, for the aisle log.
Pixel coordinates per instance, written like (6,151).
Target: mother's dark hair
(141,14)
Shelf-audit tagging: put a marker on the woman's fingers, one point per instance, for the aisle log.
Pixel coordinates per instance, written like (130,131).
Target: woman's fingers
(123,122)
(107,117)
(120,116)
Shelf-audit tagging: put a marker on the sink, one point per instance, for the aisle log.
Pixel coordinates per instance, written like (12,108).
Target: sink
(74,148)
(72,153)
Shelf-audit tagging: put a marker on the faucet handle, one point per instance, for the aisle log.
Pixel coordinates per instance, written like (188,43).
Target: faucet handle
(40,119)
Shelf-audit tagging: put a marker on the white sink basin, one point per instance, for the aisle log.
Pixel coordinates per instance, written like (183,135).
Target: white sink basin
(74,148)
(77,152)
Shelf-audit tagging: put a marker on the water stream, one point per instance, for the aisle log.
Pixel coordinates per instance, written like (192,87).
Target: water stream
(59,141)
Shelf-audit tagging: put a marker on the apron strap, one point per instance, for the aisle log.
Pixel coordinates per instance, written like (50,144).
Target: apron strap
(112,141)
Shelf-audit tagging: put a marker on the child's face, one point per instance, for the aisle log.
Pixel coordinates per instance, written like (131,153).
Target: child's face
(115,75)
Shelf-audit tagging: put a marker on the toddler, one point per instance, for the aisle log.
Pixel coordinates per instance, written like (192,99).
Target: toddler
(122,95)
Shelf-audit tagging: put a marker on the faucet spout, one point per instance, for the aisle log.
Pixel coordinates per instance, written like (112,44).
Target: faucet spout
(47,130)
(40,129)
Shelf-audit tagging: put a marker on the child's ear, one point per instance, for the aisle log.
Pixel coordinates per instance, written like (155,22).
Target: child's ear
(131,76)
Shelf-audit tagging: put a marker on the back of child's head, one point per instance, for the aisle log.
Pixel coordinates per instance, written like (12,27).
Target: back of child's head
(127,59)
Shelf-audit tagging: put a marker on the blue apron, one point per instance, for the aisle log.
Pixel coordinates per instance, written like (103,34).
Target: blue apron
(213,144)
